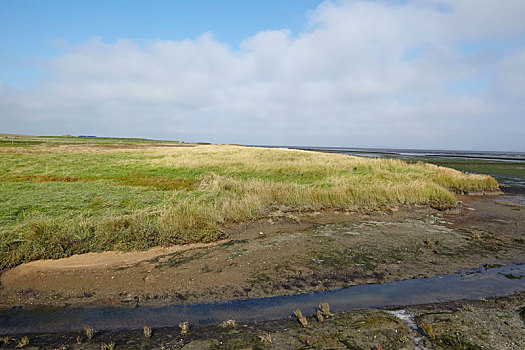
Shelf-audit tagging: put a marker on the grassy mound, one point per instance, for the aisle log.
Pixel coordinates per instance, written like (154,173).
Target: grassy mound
(60,200)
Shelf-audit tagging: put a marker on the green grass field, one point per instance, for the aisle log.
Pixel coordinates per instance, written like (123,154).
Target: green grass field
(68,195)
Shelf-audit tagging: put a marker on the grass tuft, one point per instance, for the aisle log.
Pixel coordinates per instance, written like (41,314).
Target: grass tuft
(228,324)
(184,328)
(302,320)
(23,342)
(89,331)
(61,199)
(147,332)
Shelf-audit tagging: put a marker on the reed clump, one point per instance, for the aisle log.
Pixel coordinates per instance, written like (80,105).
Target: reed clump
(65,200)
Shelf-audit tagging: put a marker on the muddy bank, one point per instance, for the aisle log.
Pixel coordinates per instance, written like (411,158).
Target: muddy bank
(284,254)
(483,324)
(482,282)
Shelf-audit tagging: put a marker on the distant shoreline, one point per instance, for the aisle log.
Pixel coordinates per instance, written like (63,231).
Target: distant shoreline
(399,152)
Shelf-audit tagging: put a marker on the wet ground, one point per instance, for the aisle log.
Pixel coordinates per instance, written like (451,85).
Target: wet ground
(292,253)
(288,253)
(482,282)
(483,324)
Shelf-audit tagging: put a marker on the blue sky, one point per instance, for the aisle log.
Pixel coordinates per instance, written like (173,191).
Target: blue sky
(32,30)
(444,74)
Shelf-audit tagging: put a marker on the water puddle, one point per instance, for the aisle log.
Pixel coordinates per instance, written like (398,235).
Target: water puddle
(472,284)
(410,320)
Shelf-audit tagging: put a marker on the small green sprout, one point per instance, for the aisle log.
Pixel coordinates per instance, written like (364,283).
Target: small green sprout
(266,338)
(23,342)
(325,309)
(319,315)
(184,328)
(302,320)
(228,324)
(428,329)
(147,332)
(89,332)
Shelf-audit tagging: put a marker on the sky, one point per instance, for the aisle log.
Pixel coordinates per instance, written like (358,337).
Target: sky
(427,74)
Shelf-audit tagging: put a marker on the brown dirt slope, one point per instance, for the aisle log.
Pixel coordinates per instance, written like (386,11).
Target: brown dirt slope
(284,254)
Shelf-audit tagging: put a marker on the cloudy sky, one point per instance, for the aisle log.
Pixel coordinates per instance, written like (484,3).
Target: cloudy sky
(414,74)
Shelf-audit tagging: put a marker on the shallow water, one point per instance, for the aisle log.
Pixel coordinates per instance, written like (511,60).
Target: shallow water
(410,320)
(472,284)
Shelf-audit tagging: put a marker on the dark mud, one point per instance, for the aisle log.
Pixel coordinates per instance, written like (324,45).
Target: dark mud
(487,281)
(494,323)
(296,253)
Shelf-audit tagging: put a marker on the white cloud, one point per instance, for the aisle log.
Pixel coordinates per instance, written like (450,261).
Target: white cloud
(348,80)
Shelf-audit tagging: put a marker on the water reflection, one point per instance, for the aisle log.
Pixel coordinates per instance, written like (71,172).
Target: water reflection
(472,284)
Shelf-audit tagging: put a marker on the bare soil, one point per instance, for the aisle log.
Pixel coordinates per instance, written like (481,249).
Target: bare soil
(287,253)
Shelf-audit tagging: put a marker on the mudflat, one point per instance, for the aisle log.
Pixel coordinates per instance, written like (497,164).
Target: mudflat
(284,253)
(495,323)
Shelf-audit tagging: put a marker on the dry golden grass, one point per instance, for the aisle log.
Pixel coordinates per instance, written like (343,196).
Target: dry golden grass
(96,199)
(321,168)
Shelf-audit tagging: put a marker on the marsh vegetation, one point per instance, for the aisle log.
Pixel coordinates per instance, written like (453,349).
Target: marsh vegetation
(62,198)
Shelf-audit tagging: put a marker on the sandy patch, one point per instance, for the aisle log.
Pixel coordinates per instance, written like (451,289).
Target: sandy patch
(309,252)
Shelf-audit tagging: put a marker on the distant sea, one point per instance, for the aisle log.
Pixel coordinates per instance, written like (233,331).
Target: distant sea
(507,167)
